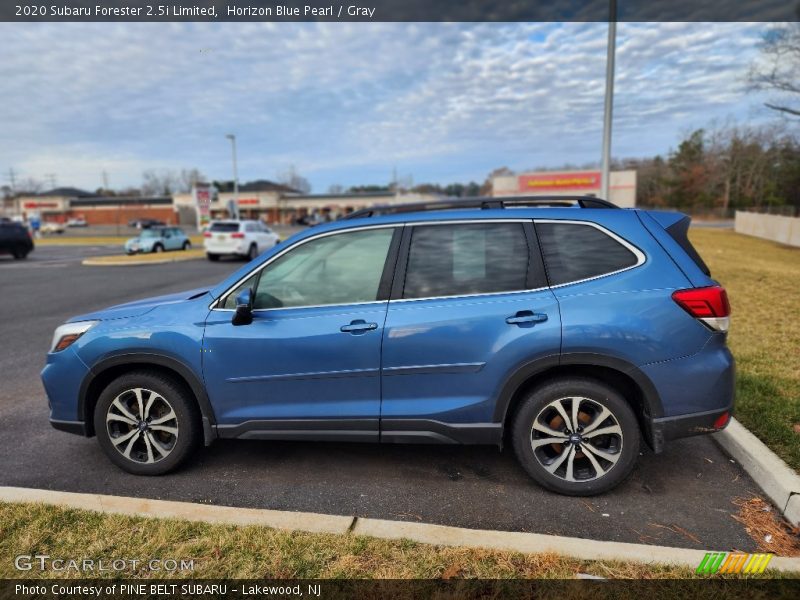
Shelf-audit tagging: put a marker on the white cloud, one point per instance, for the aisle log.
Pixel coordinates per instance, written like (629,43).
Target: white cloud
(344,101)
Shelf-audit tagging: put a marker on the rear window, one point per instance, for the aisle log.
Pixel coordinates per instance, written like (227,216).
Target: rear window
(679,232)
(573,252)
(225,227)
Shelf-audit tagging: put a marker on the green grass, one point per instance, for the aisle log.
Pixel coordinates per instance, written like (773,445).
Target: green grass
(223,551)
(763,283)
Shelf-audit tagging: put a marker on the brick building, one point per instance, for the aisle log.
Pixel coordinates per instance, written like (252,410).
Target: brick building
(61,204)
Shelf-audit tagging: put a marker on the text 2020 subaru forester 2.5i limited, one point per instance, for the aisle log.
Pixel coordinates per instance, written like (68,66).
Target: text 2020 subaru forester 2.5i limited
(567,328)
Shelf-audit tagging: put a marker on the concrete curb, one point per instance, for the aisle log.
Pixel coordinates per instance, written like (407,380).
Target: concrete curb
(585,549)
(441,535)
(277,519)
(124,261)
(777,480)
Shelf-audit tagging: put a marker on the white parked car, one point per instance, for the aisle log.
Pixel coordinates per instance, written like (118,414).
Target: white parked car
(51,227)
(77,222)
(240,238)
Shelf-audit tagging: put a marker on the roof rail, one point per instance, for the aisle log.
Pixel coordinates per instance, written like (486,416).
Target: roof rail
(482,203)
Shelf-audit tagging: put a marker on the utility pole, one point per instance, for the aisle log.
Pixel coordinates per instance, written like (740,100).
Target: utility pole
(51,180)
(609,100)
(105,181)
(232,138)
(12,179)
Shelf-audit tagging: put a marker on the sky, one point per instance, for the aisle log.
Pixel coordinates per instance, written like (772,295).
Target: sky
(349,103)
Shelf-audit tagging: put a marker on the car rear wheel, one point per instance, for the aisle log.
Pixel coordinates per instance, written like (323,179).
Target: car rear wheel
(187,245)
(147,424)
(576,436)
(212,257)
(252,254)
(158,248)
(19,253)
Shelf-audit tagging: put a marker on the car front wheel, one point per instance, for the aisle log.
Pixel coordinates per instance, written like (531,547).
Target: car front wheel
(576,436)
(147,424)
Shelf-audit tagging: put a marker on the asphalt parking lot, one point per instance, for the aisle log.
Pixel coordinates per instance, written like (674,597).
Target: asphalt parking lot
(680,498)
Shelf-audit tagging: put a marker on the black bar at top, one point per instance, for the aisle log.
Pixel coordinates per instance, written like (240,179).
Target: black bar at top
(398,10)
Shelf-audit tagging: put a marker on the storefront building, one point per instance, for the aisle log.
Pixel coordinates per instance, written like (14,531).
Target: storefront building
(622,185)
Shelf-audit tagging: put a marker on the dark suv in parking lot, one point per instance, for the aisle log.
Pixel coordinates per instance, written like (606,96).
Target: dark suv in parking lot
(15,239)
(568,329)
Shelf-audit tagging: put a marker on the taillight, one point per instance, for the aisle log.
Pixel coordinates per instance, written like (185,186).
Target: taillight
(722,421)
(238,236)
(207,234)
(708,304)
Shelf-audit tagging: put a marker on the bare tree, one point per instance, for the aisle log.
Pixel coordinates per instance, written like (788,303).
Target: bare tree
(294,180)
(29,185)
(336,189)
(778,69)
(189,178)
(167,181)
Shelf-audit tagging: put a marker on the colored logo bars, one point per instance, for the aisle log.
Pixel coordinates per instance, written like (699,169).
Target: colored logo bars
(733,562)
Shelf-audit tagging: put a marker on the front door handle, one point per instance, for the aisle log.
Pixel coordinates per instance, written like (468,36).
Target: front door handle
(526,316)
(358,326)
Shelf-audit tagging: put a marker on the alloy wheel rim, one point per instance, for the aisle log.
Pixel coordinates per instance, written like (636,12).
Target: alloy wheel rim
(576,439)
(142,425)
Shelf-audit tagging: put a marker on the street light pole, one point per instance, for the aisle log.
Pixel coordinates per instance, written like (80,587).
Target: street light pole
(232,138)
(609,100)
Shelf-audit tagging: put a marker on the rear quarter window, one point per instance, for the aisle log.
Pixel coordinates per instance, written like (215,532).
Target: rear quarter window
(574,252)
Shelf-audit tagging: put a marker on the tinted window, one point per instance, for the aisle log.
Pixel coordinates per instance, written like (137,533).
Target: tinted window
(225,227)
(680,233)
(574,252)
(338,269)
(453,260)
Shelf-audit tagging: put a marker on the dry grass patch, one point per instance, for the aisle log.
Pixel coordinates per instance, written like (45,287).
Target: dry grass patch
(259,552)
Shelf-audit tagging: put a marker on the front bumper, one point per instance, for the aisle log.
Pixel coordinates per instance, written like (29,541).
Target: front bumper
(62,377)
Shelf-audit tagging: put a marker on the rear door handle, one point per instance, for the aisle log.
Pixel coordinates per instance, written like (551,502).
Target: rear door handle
(358,326)
(526,316)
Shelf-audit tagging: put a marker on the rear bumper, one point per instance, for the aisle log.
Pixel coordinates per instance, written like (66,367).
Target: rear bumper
(695,391)
(665,429)
(76,427)
(226,248)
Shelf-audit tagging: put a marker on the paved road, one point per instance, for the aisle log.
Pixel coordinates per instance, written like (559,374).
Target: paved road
(680,498)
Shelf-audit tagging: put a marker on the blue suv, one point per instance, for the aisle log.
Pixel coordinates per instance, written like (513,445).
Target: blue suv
(565,327)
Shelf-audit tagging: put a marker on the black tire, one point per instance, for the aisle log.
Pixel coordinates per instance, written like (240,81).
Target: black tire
(158,248)
(252,253)
(187,245)
(143,456)
(212,257)
(593,396)
(19,253)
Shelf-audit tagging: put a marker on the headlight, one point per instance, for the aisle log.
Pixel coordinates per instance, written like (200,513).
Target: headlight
(66,334)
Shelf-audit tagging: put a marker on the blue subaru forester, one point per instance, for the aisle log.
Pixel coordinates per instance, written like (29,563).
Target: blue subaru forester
(565,327)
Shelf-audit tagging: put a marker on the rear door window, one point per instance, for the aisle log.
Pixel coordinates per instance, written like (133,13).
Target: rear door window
(463,259)
(574,252)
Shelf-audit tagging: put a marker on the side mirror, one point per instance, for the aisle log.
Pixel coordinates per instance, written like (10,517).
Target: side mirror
(244,308)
